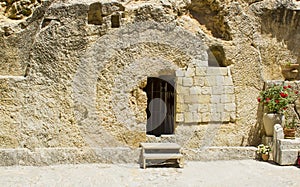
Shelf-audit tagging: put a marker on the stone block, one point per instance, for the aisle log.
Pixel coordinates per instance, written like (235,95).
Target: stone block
(181,107)
(210,81)
(187,81)
(228,81)
(179,81)
(190,99)
(204,99)
(217,107)
(197,99)
(206,90)
(215,99)
(200,71)
(197,117)
(225,117)
(221,153)
(179,117)
(230,107)
(188,117)
(218,90)
(229,90)
(220,80)
(204,108)
(206,117)
(227,98)
(195,90)
(289,143)
(285,150)
(179,98)
(179,73)
(288,157)
(182,90)
(232,117)
(215,116)
(217,71)
(190,72)
(199,81)
(193,107)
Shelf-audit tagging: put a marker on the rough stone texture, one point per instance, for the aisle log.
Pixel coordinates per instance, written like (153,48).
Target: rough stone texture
(287,151)
(220,153)
(18,9)
(205,94)
(72,72)
(50,156)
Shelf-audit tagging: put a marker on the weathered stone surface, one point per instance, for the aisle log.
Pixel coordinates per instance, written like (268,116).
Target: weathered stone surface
(288,157)
(83,70)
(47,156)
(50,156)
(220,153)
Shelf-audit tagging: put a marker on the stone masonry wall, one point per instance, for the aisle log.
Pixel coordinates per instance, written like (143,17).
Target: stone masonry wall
(205,94)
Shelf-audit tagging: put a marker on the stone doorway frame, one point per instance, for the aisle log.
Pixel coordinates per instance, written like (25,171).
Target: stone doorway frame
(161,105)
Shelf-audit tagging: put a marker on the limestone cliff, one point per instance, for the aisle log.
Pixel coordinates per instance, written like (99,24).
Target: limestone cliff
(72,72)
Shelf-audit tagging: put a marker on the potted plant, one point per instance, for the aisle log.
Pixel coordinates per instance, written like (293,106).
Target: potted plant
(263,151)
(276,99)
(289,70)
(290,128)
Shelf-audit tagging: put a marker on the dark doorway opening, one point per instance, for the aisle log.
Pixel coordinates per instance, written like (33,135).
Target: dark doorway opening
(160,105)
(115,21)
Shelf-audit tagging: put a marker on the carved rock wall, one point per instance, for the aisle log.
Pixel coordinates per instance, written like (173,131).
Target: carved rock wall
(72,73)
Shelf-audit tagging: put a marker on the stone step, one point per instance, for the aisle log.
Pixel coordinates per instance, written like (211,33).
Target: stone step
(289,144)
(288,157)
(16,78)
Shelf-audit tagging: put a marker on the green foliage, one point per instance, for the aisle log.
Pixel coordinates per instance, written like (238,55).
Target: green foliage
(288,63)
(263,149)
(291,121)
(278,97)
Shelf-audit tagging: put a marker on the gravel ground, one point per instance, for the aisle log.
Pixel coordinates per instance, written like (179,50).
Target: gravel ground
(216,173)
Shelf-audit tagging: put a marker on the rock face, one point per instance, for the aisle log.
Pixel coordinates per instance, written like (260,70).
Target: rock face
(73,73)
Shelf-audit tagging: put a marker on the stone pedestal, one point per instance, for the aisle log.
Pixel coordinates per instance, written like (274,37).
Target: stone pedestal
(267,140)
(285,150)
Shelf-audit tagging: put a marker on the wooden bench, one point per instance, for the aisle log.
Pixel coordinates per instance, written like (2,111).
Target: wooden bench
(161,151)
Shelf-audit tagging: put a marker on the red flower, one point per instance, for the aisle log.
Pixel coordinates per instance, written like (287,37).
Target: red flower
(289,86)
(276,101)
(285,87)
(296,92)
(259,99)
(284,108)
(267,100)
(283,95)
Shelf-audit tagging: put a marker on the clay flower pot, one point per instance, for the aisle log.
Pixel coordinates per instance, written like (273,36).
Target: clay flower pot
(263,152)
(289,133)
(265,157)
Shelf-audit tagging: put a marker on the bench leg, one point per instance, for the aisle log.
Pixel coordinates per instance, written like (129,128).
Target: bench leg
(144,163)
(180,162)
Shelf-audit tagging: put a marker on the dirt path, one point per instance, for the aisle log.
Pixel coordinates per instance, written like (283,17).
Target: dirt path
(217,173)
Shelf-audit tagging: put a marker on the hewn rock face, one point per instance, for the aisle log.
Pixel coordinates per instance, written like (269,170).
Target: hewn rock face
(72,73)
